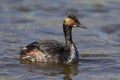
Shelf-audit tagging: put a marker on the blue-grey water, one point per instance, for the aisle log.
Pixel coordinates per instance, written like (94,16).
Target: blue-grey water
(24,21)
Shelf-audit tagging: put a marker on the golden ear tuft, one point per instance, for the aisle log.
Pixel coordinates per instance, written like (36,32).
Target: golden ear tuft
(73,17)
(69,21)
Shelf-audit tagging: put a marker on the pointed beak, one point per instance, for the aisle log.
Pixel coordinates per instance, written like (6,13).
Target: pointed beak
(81,26)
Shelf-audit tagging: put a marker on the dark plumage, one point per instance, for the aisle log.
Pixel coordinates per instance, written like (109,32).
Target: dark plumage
(54,51)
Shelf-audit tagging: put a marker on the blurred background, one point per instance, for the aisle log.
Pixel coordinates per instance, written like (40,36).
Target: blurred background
(25,21)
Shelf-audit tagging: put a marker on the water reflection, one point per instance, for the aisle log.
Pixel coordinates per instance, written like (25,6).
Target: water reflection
(68,70)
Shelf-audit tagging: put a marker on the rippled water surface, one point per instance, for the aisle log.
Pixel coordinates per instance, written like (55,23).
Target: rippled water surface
(24,21)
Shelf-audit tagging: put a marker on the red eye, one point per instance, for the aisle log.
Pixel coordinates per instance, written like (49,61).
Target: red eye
(73,22)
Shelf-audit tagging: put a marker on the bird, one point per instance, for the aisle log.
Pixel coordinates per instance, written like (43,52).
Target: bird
(52,51)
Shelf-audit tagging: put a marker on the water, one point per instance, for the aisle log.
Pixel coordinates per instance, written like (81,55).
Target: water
(24,21)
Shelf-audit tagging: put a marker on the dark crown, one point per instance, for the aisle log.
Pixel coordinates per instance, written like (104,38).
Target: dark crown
(70,15)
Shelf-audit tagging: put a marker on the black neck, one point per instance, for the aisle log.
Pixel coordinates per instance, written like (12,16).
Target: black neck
(68,35)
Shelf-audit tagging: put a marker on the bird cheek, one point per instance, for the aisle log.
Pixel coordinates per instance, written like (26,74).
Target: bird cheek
(67,24)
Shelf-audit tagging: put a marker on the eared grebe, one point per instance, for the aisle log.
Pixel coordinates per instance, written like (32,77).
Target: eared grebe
(54,51)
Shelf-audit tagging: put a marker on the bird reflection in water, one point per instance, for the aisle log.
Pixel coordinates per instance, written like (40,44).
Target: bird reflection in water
(45,69)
